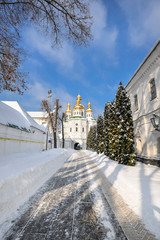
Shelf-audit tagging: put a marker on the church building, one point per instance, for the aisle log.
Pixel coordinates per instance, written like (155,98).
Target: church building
(77,124)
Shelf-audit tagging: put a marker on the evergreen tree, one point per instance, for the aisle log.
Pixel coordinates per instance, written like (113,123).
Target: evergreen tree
(94,138)
(125,137)
(91,139)
(112,132)
(100,135)
(106,128)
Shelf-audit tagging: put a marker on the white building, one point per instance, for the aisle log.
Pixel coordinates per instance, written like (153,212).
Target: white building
(42,119)
(39,117)
(144,92)
(77,125)
(18,131)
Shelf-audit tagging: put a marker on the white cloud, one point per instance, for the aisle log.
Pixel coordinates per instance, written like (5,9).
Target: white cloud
(143,20)
(63,56)
(39,91)
(104,37)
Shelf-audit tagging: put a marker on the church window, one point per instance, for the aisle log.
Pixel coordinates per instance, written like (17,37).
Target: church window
(135,103)
(82,113)
(76,129)
(82,129)
(76,124)
(153,93)
(70,129)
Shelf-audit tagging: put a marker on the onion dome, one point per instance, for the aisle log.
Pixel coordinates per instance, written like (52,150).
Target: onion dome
(68,108)
(78,103)
(89,108)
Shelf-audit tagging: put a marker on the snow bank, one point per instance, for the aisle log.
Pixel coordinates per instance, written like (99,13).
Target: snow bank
(21,175)
(139,186)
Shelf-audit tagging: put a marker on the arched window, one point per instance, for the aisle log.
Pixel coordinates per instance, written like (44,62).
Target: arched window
(158,145)
(139,145)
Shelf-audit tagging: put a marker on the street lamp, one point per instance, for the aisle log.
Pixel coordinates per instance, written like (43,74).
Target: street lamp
(49,93)
(155,120)
(49,96)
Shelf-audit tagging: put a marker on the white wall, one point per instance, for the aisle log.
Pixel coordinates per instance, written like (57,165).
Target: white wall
(25,142)
(145,135)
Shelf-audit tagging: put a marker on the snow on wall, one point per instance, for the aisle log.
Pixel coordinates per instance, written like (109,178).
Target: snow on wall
(23,133)
(15,105)
(12,116)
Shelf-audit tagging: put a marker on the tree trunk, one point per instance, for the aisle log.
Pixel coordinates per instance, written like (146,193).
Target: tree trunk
(56,120)
(62,130)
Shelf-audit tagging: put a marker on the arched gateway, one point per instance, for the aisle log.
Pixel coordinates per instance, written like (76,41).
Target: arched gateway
(77,146)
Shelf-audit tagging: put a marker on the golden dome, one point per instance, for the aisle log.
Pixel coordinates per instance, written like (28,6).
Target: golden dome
(78,103)
(68,108)
(80,106)
(68,111)
(89,108)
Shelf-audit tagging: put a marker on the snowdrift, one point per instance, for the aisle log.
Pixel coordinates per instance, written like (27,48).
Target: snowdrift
(139,187)
(21,175)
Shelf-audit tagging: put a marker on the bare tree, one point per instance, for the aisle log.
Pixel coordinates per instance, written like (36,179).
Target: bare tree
(52,117)
(62,127)
(58,18)
(45,106)
(57,107)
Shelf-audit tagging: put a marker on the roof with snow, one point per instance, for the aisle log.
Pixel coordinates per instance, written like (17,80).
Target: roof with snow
(12,113)
(38,114)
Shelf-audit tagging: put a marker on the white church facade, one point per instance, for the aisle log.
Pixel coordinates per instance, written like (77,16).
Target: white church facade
(77,124)
(144,92)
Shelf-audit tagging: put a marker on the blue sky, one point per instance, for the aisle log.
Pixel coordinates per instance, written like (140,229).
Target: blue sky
(124,31)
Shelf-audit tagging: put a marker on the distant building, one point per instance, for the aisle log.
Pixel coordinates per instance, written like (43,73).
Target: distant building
(77,124)
(42,119)
(39,117)
(144,92)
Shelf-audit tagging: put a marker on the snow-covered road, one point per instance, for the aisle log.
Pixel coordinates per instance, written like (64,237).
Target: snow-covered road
(70,205)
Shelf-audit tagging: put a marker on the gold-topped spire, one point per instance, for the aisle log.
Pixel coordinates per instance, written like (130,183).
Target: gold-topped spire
(89,105)
(89,108)
(68,108)
(78,103)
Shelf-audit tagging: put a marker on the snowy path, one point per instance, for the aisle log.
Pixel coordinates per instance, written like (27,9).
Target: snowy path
(70,205)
